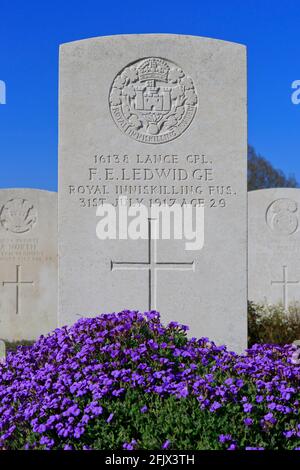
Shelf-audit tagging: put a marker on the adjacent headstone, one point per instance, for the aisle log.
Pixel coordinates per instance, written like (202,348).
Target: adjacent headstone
(160,119)
(28,263)
(2,351)
(274,246)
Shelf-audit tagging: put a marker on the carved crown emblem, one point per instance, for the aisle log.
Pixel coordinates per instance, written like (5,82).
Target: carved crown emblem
(18,216)
(153,69)
(153,100)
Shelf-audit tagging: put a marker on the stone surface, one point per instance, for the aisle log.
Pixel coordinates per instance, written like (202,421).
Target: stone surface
(158,118)
(28,263)
(274,246)
(2,351)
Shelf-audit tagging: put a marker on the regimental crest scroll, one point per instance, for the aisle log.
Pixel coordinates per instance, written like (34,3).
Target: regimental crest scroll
(282,216)
(153,100)
(18,216)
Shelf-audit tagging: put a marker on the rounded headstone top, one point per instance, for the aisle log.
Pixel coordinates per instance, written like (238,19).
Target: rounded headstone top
(150,37)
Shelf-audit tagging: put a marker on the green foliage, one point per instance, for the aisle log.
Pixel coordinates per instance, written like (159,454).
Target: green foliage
(271,324)
(13,345)
(262,175)
(180,421)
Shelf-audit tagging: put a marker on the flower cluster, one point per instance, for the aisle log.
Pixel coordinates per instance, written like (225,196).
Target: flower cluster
(54,391)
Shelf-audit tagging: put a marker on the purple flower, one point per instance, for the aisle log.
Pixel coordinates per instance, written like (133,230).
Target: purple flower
(68,447)
(254,448)
(259,398)
(232,447)
(166,444)
(110,417)
(248,421)
(130,446)
(269,417)
(225,438)
(229,381)
(247,407)
(47,441)
(215,406)
(58,387)
(41,428)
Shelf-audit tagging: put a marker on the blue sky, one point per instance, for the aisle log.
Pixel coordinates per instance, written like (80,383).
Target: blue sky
(30,33)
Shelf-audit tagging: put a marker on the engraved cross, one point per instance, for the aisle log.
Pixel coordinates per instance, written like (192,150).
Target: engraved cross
(285,283)
(18,283)
(152,266)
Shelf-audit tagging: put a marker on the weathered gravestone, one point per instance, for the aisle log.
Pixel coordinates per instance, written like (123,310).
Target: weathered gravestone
(160,119)
(274,246)
(28,263)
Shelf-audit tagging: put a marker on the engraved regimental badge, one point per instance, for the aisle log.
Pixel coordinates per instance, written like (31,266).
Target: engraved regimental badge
(282,217)
(153,100)
(18,216)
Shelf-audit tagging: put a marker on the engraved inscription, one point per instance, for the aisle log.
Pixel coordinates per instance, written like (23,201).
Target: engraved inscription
(153,100)
(151,266)
(18,216)
(282,216)
(152,179)
(22,249)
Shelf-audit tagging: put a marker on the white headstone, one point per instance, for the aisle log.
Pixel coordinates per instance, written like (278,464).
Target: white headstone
(274,246)
(2,351)
(28,263)
(159,119)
